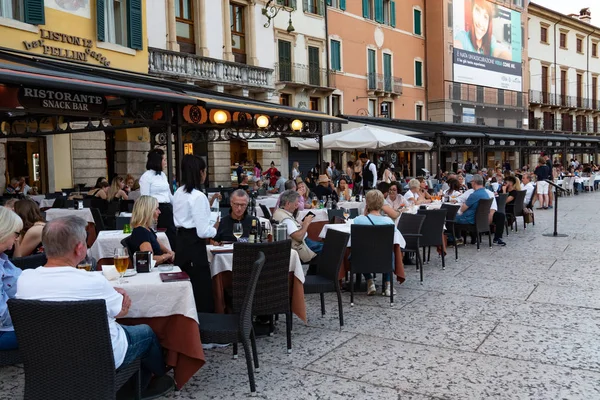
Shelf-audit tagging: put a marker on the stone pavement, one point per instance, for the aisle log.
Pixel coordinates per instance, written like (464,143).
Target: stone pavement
(518,322)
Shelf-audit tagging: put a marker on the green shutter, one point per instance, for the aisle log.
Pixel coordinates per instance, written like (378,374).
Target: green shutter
(336,56)
(328,2)
(285,60)
(34,12)
(100,29)
(366,13)
(342,4)
(393,14)
(417,22)
(418,73)
(379,11)
(134,27)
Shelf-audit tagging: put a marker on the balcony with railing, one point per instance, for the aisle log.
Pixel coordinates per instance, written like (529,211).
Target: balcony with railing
(479,95)
(379,84)
(299,75)
(204,71)
(565,124)
(537,97)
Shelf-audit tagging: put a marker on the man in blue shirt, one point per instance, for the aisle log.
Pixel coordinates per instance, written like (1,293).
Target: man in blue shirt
(469,207)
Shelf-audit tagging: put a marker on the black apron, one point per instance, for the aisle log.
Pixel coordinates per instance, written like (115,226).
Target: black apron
(165,221)
(191,257)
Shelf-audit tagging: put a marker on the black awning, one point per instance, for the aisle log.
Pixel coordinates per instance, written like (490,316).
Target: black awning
(463,134)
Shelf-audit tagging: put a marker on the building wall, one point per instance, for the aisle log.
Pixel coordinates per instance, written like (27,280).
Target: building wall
(356,35)
(156,13)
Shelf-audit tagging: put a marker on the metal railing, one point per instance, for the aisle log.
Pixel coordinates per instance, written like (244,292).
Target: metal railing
(564,125)
(485,96)
(301,74)
(384,83)
(172,64)
(562,100)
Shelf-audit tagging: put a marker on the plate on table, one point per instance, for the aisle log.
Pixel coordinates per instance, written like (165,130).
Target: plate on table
(130,272)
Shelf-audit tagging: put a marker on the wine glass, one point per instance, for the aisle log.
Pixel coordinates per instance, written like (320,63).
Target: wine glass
(238,230)
(346,213)
(121,262)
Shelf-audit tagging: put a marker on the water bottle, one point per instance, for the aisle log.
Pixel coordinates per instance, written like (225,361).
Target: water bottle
(174,185)
(328,203)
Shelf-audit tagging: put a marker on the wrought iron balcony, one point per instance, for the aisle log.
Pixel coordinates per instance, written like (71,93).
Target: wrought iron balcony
(561,100)
(206,71)
(384,84)
(296,75)
(478,95)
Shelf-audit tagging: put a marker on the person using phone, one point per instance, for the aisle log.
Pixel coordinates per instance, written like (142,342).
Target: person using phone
(307,249)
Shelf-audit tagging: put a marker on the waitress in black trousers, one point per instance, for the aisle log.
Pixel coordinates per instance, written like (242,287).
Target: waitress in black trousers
(192,219)
(154,183)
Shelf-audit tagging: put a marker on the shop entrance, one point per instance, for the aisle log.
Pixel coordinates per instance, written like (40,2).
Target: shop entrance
(27,158)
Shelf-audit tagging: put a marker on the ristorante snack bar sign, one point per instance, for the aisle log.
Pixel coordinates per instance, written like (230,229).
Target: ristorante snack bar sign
(84,55)
(61,100)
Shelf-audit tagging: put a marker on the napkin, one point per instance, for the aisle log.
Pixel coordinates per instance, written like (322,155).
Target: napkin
(110,272)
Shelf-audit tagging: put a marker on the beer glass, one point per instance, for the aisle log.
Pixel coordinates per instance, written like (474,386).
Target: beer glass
(121,262)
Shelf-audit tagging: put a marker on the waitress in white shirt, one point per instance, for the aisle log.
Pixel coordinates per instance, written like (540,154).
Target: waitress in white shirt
(154,183)
(192,219)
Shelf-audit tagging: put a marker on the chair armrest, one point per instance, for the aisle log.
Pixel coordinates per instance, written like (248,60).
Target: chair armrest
(412,235)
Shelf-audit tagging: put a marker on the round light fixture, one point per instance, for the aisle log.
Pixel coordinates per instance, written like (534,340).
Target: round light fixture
(549,143)
(220,117)
(578,144)
(492,142)
(502,143)
(571,144)
(452,141)
(531,142)
(262,121)
(296,125)
(557,144)
(512,142)
(468,141)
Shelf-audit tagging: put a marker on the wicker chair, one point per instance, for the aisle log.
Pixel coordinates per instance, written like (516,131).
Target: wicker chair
(372,249)
(433,233)
(273,289)
(410,226)
(61,344)
(451,211)
(328,268)
(517,210)
(27,262)
(482,222)
(227,328)
(98,221)
(501,205)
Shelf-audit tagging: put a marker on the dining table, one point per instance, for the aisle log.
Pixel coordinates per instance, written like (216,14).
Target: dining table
(170,310)
(221,267)
(108,241)
(85,213)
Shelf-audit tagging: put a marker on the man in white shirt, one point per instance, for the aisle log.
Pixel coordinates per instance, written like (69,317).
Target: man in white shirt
(529,187)
(369,173)
(64,241)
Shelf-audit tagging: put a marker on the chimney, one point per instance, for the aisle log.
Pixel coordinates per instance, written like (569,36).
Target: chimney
(585,15)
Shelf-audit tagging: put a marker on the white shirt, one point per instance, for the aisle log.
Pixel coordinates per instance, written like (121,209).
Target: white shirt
(373,170)
(156,186)
(295,173)
(70,284)
(291,226)
(529,188)
(411,197)
(463,197)
(395,204)
(191,210)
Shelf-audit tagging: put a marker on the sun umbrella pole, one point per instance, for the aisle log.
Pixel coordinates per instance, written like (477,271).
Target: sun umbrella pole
(321,150)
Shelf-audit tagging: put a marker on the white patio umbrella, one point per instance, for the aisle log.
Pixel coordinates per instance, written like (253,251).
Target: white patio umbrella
(367,137)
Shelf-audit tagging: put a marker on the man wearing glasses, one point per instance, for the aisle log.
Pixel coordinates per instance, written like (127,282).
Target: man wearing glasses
(238,213)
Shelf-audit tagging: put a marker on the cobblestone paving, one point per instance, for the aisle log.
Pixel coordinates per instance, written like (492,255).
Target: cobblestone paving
(514,322)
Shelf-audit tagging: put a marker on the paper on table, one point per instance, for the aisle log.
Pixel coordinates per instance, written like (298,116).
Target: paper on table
(110,272)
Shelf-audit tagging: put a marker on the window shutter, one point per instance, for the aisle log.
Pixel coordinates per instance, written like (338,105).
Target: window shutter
(321,7)
(417,22)
(366,9)
(328,2)
(100,29)
(336,64)
(379,11)
(305,4)
(294,4)
(34,12)
(343,5)
(393,14)
(418,73)
(135,24)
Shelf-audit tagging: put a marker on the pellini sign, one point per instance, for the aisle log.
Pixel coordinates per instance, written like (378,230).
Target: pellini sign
(85,54)
(61,101)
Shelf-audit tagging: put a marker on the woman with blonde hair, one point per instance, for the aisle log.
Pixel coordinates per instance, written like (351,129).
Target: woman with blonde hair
(374,203)
(143,238)
(116,192)
(30,240)
(10,227)
(295,170)
(302,189)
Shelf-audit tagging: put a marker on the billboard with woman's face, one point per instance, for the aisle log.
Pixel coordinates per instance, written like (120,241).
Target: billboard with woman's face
(487,45)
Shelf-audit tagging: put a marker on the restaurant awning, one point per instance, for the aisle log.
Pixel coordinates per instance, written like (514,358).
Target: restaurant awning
(464,134)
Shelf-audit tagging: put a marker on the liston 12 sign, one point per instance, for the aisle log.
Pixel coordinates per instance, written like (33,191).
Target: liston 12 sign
(61,101)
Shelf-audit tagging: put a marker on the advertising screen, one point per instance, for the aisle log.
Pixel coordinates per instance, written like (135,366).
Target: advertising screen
(487,45)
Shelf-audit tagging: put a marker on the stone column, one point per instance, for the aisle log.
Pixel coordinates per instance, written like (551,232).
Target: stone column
(201,33)
(2,164)
(251,35)
(219,163)
(227,49)
(171,26)
(89,157)
(131,152)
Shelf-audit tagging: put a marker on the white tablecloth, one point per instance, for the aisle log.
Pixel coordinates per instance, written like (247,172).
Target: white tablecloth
(360,205)
(151,297)
(414,208)
(223,262)
(54,213)
(320,215)
(108,241)
(37,197)
(398,238)
(267,201)
(45,203)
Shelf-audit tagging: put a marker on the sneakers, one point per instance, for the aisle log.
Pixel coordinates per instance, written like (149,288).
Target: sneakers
(499,242)
(387,290)
(371,287)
